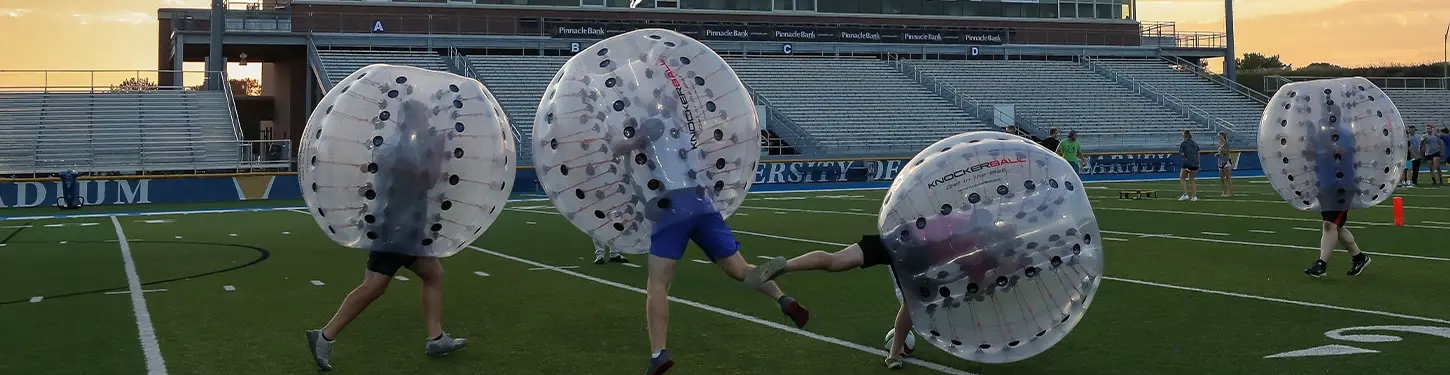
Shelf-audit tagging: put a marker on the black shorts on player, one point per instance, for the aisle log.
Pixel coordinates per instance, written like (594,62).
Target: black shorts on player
(389,263)
(873,251)
(1338,218)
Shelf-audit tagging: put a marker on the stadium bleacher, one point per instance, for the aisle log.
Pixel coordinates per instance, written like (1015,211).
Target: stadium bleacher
(855,104)
(517,82)
(1241,111)
(340,63)
(120,131)
(1061,94)
(1421,107)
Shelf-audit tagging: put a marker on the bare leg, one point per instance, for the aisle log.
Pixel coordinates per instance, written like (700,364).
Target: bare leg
(1328,239)
(1193,184)
(1228,180)
(1183,181)
(431,272)
(657,300)
(736,267)
(1347,239)
(844,260)
(903,326)
(373,286)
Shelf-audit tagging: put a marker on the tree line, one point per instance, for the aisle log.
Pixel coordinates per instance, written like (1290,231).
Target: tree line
(240,86)
(1254,66)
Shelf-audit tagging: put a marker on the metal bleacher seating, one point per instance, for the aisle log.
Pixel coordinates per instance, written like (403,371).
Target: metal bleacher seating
(341,63)
(1421,107)
(1239,110)
(156,130)
(1061,94)
(855,105)
(518,82)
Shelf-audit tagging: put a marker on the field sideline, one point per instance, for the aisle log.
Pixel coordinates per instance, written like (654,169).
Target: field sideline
(1208,287)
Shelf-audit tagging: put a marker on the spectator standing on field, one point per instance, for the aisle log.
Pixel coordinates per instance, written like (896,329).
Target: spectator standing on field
(1433,148)
(1072,151)
(1412,173)
(1051,142)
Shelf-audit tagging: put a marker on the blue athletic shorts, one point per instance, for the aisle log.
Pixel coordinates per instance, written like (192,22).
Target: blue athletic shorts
(709,231)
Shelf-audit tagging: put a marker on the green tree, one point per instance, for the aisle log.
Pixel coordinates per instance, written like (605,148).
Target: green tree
(246,87)
(134,84)
(1255,60)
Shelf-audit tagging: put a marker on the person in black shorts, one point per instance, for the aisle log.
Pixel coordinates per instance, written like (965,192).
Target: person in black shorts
(381,268)
(1333,234)
(1188,174)
(866,253)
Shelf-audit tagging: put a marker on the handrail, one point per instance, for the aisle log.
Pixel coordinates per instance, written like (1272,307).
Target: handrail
(964,101)
(226,87)
(802,139)
(319,71)
(1193,112)
(1252,94)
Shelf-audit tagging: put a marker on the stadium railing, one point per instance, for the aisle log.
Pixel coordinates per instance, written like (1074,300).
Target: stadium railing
(1163,98)
(986,113)
(793,133)
(251,156)
(226,87)
(1274,82)
(1215,78)
(319,70)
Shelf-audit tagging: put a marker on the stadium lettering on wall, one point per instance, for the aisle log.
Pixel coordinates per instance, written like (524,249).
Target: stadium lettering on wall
(762,33)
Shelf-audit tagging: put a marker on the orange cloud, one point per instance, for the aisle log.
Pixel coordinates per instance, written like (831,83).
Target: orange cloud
(1347,33)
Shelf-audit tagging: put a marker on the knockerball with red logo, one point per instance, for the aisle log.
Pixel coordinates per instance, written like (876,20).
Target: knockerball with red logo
(981,224)
(642,131)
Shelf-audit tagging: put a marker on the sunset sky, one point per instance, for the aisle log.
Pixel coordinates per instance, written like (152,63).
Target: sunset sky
(121,34)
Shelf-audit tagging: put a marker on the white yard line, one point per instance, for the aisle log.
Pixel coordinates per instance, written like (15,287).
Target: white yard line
(1115,239)
(1218,292)
(868,349)
(1213,233)
(1307,229)
(1261,244)
(318,283)
(700,261)
(631,265)
(480,273)
(1262,231)
(228,288)
(552,268)
(400,278)
(36,299)
(155,364)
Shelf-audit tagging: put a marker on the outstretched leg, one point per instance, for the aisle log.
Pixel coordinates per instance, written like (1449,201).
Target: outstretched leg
(863,254)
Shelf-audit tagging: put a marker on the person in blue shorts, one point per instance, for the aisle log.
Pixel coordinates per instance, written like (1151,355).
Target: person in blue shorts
(685,212)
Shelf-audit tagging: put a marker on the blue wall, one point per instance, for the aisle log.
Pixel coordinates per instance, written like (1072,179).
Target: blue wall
(211,189)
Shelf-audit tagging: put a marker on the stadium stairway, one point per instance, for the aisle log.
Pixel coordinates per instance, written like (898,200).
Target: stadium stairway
(1421,107)
(116,132)
(1241,111)
(518,82)
(853,106)
(1061,94)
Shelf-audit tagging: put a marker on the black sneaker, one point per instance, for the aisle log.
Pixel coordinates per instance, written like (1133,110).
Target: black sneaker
(599,259)
(1357,264)
(659,364)
(617,258)
(1317,270)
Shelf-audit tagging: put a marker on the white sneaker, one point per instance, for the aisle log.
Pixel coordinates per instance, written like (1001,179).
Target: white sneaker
(1183,198)
(1195,199)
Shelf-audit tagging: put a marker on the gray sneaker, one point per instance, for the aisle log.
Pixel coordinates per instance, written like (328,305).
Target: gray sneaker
(321,349)
(444,345)
(765,273)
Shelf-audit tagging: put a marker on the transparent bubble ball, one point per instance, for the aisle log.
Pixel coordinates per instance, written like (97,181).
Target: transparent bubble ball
(643,130)
(994,246)
(406,160)
(1332,144)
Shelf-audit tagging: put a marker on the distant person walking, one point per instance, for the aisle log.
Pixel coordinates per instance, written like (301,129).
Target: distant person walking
(1189,151)
(1072,151)
(1415,154)
(1051,142)
(1225,165)
(1433,148)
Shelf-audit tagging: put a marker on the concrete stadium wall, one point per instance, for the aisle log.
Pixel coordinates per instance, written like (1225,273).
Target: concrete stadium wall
(769,175)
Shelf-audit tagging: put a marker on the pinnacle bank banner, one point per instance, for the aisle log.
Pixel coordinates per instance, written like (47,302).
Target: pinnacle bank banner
(762,33)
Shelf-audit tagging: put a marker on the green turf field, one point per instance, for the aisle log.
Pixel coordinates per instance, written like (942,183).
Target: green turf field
(1208,287)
